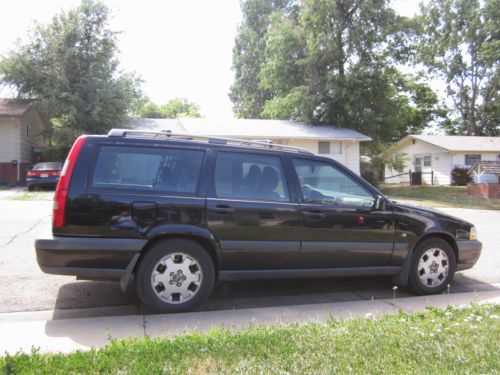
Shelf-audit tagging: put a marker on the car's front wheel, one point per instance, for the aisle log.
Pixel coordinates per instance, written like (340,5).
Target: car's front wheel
(175,275)
(433,266)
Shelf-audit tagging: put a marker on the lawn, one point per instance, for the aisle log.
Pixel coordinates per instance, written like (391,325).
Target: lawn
(455,340)
(438,196)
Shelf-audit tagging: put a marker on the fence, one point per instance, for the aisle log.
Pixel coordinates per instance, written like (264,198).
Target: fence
(415,178)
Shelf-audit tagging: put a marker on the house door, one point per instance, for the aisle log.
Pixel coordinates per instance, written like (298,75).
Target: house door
(418,164)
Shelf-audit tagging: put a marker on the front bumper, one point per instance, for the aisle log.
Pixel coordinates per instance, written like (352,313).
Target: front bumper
(468,254)
(87,258)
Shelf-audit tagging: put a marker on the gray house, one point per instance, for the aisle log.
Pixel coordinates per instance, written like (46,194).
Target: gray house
(21,133)
(338,144)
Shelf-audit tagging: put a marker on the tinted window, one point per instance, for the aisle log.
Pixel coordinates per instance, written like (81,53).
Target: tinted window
(168,170)
(323,183)
(248,176)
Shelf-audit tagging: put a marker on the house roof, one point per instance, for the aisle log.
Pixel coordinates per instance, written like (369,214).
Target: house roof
(457,142)
(11,109)
(244,128)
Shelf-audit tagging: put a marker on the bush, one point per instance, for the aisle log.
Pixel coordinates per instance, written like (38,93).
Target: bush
(459,176)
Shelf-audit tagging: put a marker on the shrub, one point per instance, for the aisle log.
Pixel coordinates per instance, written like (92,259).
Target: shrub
(459,176)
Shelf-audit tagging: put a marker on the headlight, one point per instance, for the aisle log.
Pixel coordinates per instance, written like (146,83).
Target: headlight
(473,234)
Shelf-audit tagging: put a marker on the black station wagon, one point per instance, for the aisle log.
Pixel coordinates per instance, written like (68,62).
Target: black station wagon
(177,213)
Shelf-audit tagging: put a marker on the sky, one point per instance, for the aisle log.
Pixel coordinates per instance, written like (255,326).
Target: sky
(180,48)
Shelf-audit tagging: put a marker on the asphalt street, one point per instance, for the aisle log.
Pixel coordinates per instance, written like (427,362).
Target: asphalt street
(25,288)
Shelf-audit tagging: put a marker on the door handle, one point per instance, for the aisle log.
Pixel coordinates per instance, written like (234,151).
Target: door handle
(222,209)
(317,215)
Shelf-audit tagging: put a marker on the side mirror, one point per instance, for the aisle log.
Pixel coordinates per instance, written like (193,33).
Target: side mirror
(379,203)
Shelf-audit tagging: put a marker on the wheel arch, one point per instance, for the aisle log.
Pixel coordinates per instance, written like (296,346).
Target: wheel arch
(208,244)
(442,235)
(402,278)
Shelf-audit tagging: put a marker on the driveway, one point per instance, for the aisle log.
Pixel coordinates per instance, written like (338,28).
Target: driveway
(26,288)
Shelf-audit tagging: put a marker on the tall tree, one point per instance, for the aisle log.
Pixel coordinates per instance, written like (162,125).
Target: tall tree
(335,62)
(248,55)
(461,43)
(69,68)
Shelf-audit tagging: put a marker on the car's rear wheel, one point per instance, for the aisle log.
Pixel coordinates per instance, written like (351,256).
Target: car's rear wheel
(175,275)
(433,266)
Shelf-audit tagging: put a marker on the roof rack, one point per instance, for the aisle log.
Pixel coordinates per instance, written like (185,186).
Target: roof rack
(167,134)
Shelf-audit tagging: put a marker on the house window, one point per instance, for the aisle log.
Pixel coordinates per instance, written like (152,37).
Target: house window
(323,147)
(28,130)
(427,161)
(471,159)
(334,147)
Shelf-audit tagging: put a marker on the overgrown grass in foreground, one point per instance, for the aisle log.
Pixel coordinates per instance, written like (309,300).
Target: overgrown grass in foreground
(435,341)
(439,196)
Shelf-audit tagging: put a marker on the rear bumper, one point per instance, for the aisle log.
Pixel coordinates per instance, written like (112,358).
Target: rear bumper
(468,254)
(87,258)
(39,181)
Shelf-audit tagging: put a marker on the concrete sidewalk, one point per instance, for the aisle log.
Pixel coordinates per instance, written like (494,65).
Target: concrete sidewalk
(24,331)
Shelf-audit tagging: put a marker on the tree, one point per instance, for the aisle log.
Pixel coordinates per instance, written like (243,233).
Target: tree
(461,44)
(172,109)
(248,55)
(336,62)
(70,70)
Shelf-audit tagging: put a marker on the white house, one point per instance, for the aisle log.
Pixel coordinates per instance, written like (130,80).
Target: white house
(436,155)
(21,135)
(338,144)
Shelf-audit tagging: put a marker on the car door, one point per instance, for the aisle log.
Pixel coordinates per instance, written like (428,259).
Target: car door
(252,213)
(341,225)
(133,189)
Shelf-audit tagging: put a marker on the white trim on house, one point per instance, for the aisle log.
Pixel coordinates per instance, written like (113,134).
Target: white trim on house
(446,153)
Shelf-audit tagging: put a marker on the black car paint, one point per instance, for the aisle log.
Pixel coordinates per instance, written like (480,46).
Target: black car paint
(246,238)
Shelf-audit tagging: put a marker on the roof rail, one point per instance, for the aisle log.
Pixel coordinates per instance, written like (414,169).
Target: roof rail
(167,134)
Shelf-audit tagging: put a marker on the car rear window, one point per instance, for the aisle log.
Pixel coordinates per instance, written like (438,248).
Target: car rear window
(49,166)
(140,168)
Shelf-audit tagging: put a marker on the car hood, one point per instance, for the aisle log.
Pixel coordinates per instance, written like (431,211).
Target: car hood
(426,211)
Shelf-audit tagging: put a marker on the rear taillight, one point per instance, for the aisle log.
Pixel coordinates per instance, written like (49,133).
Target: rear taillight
(58,212)
(43,173)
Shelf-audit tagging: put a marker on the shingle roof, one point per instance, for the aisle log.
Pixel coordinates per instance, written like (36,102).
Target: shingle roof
(9,109)
(243,128)
(461,143)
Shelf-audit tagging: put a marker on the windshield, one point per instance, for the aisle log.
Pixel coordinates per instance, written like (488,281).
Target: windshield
(52,166)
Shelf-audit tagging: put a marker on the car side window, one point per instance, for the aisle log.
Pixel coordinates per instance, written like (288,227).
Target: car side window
(249,176)
(323,183)
(140,168)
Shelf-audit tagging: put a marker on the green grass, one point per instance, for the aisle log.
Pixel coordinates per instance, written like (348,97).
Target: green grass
(439,196)
(455,340)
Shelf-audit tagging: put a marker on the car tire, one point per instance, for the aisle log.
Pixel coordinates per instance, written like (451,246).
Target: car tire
(31,188)
(433,266)
(175,275)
